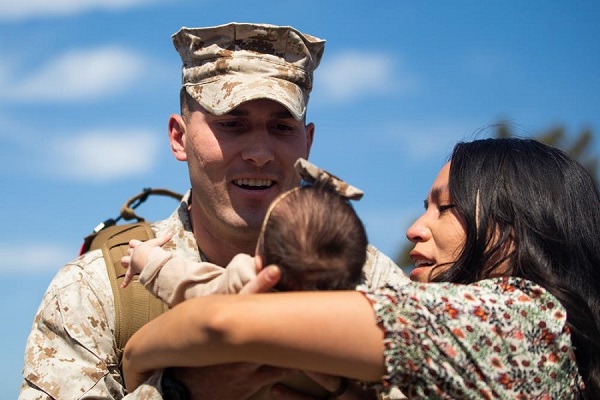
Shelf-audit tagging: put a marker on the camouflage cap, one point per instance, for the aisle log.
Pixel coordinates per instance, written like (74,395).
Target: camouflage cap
(226,65)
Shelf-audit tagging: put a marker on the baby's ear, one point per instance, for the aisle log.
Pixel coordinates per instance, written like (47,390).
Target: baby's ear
(258,262)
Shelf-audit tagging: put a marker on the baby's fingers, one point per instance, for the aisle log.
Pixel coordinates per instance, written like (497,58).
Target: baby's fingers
(159,241)
(128,277)
(133,243)
(125,261)
(154,242)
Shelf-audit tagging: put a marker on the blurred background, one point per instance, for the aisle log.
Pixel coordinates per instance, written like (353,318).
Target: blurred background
(87,86)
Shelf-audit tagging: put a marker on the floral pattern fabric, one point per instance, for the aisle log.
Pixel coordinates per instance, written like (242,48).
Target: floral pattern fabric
(498,338)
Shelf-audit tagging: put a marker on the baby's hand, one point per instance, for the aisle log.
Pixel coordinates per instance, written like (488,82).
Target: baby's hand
(137,256)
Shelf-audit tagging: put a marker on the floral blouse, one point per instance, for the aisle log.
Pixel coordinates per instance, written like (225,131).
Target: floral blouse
(498,338)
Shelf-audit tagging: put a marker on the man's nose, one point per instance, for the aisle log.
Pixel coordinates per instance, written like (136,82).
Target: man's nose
(259,148)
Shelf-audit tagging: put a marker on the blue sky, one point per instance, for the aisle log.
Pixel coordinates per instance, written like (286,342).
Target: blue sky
(86,88)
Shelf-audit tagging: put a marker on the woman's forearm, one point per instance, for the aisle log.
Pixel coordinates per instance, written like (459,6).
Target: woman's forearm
(329,332)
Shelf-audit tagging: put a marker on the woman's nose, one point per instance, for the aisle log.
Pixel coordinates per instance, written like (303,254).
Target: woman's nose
(418,231)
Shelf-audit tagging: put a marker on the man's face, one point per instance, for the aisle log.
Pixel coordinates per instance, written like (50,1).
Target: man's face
(239,162)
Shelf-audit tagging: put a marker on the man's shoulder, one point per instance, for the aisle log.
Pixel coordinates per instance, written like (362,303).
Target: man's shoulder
(86,280)
(179,226)
(89,267)
(79,303)
(379,270)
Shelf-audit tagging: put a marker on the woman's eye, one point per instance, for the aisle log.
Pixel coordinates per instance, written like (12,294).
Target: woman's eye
(445,207)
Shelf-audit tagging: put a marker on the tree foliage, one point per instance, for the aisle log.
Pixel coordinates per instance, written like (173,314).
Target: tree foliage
(578,146)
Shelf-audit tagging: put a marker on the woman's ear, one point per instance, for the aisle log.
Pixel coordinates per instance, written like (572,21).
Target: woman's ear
(177,131)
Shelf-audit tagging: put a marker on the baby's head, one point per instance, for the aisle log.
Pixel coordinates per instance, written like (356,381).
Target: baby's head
(316,238)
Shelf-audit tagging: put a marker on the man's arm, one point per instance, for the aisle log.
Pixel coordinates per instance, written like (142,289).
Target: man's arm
(70,352)
(379,270)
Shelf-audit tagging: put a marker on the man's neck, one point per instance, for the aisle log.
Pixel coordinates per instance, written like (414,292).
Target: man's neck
(219,247)
(218,251)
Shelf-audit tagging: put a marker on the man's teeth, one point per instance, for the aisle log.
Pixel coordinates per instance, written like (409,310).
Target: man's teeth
(254,182)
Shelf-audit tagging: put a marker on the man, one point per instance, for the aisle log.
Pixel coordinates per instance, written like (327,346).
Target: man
(242,126)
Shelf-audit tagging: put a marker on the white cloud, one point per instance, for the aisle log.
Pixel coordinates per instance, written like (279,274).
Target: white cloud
(22,9)
(76,75)
(32,257)
(432,140)
(352,74)
(101,155)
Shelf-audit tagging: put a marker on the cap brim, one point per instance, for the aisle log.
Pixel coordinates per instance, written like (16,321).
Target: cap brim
(227,92)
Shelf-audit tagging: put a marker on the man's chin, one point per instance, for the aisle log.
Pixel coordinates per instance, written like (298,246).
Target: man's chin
(250,223)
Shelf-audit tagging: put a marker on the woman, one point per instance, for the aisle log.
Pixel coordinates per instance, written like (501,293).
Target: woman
(506,301)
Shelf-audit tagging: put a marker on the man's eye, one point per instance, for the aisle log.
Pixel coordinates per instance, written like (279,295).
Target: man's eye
(283,129)
(229,124)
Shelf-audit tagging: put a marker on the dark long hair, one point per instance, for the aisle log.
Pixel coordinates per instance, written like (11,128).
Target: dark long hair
(537,208)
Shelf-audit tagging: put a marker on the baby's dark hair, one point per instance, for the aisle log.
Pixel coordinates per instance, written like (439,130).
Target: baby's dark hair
(316,238)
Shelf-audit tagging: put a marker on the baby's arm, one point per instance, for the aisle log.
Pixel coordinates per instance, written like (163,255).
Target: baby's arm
(174,279)
(180,279)
(140,254)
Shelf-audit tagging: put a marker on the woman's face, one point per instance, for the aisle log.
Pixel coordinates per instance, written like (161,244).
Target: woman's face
(438,234)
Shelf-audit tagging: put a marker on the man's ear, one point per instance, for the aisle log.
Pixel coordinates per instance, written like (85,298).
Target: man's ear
(177,131)
(310,134)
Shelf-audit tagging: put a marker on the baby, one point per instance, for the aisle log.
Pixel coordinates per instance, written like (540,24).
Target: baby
(311,233)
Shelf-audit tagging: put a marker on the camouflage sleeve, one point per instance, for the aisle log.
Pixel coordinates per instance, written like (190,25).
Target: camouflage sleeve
(70,352)
(379,270)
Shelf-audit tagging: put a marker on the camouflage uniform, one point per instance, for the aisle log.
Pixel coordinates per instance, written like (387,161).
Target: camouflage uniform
(71,351)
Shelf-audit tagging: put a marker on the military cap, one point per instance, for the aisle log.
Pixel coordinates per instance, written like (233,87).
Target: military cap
(226,65)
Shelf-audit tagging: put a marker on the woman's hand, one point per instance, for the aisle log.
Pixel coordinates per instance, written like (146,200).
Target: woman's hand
(133,378)
(265,280)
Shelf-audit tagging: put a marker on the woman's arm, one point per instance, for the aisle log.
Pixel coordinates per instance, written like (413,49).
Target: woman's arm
(328,332)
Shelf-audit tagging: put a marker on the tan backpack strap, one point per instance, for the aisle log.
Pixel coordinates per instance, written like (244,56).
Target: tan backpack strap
(95,239)
(134,305)
(127,212)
